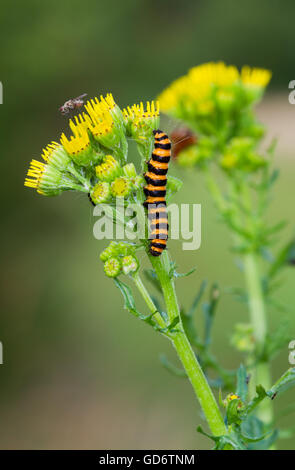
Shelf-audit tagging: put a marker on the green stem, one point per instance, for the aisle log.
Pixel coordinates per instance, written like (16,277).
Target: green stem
(184,350)
(257,312)
(256,300)
(259,323)
(148,300)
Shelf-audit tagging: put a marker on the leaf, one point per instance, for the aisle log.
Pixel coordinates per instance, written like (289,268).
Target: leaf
(129,303)
(266,443)
(252,428)
(209,309)
(282,258)
(232,412)
(284,383)
(171,367)
(276,341)
(177,275)
(275,228)
(242,387)
(231,440)
(261,394)
(197,299)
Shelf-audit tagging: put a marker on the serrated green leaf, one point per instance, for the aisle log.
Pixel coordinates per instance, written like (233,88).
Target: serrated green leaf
(284,383)
(129,303)
(177,275)
(261,395)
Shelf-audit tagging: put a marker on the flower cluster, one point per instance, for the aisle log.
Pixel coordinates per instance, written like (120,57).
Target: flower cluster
(119,258)
(216,101)
(94,158)
(213,87)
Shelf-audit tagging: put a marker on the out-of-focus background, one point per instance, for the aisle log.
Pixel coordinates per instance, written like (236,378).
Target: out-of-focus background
(79,372)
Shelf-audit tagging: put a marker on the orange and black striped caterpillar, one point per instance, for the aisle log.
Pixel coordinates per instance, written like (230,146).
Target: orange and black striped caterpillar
(155,191)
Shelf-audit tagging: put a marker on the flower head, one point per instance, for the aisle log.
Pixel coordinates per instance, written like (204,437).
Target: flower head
(140,121)
(78,146)
(121,187)
(47,179)
(112,267)
(55,154)
(103,121)
(109,169)
(129,264)
(100,193)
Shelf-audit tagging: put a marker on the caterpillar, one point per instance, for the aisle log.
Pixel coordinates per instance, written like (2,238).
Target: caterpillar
(155,191)
(89,197)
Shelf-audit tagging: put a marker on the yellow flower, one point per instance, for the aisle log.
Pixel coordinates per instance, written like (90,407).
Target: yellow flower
(121,187)
(44,178)
(54,153)
(138,111)
(255,77)
(194,92)
(140,120)
(101,120)
(108,170)
(100,193)
(78,146)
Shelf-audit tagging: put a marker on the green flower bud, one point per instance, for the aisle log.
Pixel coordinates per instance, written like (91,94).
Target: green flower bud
(125,248)
(117,249)
(129,170)
(112,267)
(101,192)
(230,397)
(108,170)
(129,264)
(110,251)
(121,187)
(137,182)
(229,161)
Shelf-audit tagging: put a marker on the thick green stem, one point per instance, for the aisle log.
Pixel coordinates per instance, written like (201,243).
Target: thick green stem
(184,350)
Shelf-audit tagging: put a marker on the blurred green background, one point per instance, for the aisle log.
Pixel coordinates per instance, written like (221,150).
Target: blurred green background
(79,372)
